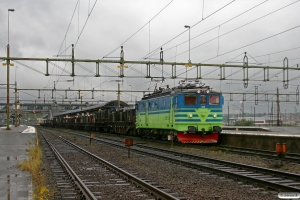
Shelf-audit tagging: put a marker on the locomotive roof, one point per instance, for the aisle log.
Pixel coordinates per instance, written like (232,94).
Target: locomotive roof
(179,90)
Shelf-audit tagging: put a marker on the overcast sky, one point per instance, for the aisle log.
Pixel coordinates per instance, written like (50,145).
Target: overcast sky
(43,29)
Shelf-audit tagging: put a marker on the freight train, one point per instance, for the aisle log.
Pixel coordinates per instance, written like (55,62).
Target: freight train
(188,113)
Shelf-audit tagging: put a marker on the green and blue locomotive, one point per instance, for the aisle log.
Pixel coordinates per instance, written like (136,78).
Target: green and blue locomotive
(191,112)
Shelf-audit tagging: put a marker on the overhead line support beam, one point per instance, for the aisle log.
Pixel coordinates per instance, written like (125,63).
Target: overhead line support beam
(245,70)
(73,61)
(47,67)
(285,75)
(148,71)
(148,62)
(199,75)
(97,69)
(174,71)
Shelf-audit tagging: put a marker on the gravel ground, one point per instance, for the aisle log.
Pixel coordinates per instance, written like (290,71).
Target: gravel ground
(214,152)
(189,183)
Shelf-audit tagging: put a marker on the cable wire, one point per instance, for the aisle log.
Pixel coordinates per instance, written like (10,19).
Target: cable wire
(85,22)
(253,43)
(151,54)
(68,28)
(138,30)
(230,30)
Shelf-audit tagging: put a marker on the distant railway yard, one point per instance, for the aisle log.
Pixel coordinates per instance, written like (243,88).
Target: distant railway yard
(104,168)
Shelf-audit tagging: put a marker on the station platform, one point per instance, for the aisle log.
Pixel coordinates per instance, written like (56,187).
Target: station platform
(264,138)
(263,130)
(15,184)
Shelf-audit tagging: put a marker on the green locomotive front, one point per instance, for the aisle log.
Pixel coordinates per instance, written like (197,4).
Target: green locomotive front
(192,113)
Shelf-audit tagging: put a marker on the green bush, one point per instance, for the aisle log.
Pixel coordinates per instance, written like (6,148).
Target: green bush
(244,122)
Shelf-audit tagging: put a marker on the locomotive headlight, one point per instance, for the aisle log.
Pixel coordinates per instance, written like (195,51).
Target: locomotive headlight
(207,91)
(190,115)
(215,115)
(198,91)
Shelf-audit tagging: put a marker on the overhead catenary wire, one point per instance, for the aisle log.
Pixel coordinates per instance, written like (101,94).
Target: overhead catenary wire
(68,29)
(253,43)
(139,30)
(230,30)
(78,18)
(155,50)
(290,49)
(149,39)
(85,23)
(253,59)
(263,63)
(64,39)
(203,10)
(128,38)
(77,5)
(154,17)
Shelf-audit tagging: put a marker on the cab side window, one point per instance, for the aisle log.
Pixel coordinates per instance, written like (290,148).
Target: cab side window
(214,100)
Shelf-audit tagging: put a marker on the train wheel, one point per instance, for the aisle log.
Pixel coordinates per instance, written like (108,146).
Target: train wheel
(111,131)
(132,132)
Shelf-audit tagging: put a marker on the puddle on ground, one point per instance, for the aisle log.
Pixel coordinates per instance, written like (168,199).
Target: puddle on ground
(11,158)
(9,176)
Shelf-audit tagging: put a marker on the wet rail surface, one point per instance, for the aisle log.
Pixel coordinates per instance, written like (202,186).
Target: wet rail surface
(267,178)
(96,178)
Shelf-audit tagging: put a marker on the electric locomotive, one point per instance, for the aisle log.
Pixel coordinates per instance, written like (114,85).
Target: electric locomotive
(190,112)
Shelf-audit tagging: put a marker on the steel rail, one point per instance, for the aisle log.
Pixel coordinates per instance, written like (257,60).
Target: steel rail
(224,172)
(152,189)
(79,183)
(198,164)
(239,166)
(291,157)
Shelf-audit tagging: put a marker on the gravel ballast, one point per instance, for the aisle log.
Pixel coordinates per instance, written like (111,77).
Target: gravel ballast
(189,183)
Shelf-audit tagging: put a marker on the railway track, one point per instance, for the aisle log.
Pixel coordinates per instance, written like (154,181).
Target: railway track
(65,185)
(290,157)
(270,155)
(66,173)
(272,179)
(96,178)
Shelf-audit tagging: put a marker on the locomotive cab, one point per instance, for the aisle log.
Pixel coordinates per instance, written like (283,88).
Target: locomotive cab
(199,117)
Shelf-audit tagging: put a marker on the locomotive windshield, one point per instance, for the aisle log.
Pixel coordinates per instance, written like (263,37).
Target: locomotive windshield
(214,100)
(190,100)
(203,99)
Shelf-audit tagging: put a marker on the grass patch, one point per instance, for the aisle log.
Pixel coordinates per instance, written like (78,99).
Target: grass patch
(32,164)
